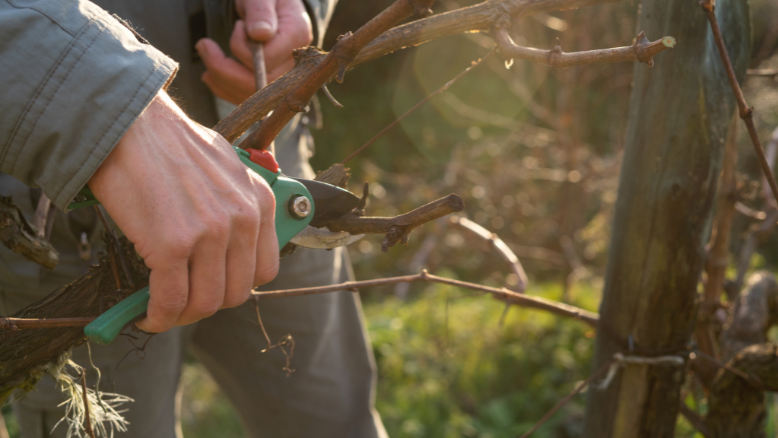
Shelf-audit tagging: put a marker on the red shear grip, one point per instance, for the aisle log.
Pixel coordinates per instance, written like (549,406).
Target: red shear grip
(264,159)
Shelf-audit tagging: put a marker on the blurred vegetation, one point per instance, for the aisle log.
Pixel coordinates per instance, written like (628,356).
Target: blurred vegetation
(535,152)
(448,368)
(460,373)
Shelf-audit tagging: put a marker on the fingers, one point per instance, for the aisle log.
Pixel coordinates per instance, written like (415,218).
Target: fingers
(239,45)
(294,31)
(242,255)
(169,286)
(226,77)
(260,17)
(283,26)
(204,224)
(233,92)
(267,242)
(207,277)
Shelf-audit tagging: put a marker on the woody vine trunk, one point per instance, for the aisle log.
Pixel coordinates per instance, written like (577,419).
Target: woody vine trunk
(678,121)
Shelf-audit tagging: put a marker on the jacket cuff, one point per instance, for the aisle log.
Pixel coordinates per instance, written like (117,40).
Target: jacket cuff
(103,80)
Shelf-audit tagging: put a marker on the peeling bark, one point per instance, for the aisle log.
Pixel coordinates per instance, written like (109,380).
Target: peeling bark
(737,406)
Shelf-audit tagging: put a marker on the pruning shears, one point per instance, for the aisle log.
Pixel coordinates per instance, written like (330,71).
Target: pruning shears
(302,208)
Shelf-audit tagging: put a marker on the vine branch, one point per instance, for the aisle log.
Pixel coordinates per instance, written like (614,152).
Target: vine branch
(523,300)
(642,50)
(334,64)
(746,112)
(478,18)
(397,229)
(520,299)
(14,324)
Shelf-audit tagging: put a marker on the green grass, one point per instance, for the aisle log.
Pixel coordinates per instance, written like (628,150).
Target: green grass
(448,368)
(461,373)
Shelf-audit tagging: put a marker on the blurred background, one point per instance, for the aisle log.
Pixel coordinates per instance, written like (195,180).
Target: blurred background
(535,152)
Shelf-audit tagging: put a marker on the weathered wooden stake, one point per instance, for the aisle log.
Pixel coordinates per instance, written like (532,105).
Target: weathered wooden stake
(678,121)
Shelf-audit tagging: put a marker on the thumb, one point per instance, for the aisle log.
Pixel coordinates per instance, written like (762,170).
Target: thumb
(261,19)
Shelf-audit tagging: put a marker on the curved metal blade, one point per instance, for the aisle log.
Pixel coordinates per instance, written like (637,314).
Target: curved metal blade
(323,238)
(331,202)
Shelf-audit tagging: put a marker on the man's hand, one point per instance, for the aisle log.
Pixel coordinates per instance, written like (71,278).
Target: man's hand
(283,25)
(202,221)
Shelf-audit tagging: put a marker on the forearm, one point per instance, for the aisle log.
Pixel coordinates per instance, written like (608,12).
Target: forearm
(72,81)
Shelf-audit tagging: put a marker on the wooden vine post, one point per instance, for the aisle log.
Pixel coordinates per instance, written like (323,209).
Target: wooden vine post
(679,115)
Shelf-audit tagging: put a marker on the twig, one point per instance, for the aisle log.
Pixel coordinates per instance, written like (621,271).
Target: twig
(477,18)
(726,366)
(746,112)
(591,318)
(554,307)
(567,398)
(285,340)
(87,414)
(21,237)
(445,87)
(770,72)
(498,245)
(399,228)
(260,71)
(334,64)
(258,56)
(330,97)
(14,324)
(642,50)
(750,212)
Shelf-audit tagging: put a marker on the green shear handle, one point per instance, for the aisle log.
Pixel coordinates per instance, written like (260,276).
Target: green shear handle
(292,216)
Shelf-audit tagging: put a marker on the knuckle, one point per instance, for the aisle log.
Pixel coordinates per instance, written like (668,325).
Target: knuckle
(245,214)
(221,227)
(217,224)
(171,305)
(266,200)
(179,244)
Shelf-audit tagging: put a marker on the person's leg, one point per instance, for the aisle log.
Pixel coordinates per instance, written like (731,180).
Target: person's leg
(330,392)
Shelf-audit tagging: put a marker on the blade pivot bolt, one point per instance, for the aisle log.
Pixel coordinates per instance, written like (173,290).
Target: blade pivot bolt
(300,207)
